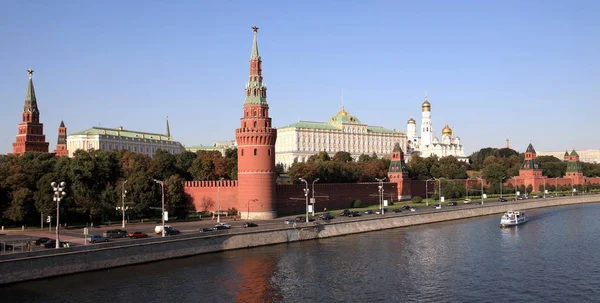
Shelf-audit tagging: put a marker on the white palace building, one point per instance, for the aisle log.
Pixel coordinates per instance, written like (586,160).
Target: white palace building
(426,145)
(343,132)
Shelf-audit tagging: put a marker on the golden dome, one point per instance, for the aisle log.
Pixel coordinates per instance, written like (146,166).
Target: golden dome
(426,106)
(342,112)
(447,130)
(412,121)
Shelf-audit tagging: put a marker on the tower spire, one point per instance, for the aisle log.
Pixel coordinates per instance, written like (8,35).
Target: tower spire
(30,100)
(254,53)
(256,91)
(168,130)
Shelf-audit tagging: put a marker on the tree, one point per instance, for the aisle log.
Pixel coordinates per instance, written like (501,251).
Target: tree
(21,205)
(343,157)
(494,173)
(163,165)
(451,168)
(183,162)
(207,203)
(176,200)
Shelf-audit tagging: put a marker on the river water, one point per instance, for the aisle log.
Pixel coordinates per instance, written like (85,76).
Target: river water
(552,258)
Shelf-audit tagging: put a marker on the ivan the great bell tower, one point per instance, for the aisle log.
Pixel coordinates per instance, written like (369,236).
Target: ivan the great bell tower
(256,147)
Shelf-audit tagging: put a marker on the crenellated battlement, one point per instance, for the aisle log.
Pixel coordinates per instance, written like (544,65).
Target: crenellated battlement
(208,184)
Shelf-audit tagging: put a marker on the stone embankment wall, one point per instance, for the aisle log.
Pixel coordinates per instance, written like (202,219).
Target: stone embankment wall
(49,263)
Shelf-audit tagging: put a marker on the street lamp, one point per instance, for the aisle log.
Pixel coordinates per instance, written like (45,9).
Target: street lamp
(516,188)
(219,200)
(123,193)
(481,180)
(313,194)
(306,190)
(59,193)
(544,195)
(501,184)
(162,186)
(381,211)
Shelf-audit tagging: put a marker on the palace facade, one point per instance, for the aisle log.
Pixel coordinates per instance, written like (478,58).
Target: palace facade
(343,132)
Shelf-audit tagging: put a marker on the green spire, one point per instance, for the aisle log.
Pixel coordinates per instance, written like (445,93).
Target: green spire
(168,131)
(30,100)
(254,53)
(62,123)
(574,154)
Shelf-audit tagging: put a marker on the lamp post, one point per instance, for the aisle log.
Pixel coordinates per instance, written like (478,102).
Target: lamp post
(516,188)
(501,184)
(481,180)
(313,195)
(162,186)
(427,191)
(59,193)
(219,200)
(123,193)
(306,190)
(544,194)
(381,211)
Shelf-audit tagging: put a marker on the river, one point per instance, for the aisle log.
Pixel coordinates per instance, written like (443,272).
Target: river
(552,258)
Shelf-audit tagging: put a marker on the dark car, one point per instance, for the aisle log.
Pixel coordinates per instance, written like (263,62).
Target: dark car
(354,214)
(115,233)
(326,216)
(41,241)
(250,224)
(502,199)
(405,207)
(220,227)
(345,212)
(368,212)
(170,231)
(303,219)
(206,229)
(52,244)
(452,203)
(97,238)
(397,210)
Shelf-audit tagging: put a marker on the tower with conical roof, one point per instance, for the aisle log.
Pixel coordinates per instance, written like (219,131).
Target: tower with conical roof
(31,132)
(61,144)
(256,146)
(426,125)
(398,174)
(574,168)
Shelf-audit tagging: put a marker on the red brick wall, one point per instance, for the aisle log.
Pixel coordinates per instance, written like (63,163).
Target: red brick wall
(331,196)
(199,190)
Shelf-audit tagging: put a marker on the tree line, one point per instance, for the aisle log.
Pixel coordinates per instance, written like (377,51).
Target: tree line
(97,180)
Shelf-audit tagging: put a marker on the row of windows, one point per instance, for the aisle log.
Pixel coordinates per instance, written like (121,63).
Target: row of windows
(262,113)
(255,124)
(255,152)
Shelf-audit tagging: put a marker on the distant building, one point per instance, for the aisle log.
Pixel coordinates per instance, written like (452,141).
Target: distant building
(588,155)
(220,146)
(343,132)
(61,143)
(102,138)
(426,145)
(31,132)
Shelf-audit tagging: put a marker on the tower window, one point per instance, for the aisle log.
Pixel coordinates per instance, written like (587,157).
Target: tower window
(255,152)
(269,152)
(242,152)
(254,123)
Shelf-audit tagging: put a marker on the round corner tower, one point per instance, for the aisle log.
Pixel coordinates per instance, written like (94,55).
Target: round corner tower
(256,147)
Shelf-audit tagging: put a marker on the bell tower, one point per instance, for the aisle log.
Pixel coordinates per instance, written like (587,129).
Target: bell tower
(398,174)
(31,132)
(256,147)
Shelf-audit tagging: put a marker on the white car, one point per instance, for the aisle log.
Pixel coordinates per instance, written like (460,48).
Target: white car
(467,201)
(223,224)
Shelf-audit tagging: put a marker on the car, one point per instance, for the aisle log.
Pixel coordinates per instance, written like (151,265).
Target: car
(397,210)
(413,209)
(170,231)
(326,216)
(345,212)
(52,244)
(220,227)
(206,229)
(223,225)
(96,239)
(405,207)
(502,199)
(467,201)
(452,203)
(158,229)
(115,233)
(289,221)
(250,224)
(437,206)
(137,234)
(301,219)
(381,212)
(41,241)
(368,212)
(354,214)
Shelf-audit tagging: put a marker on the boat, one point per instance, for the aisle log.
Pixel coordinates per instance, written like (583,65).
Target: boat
(512,218)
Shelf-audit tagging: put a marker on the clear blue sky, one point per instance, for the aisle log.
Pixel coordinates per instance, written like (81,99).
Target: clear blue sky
(527,70)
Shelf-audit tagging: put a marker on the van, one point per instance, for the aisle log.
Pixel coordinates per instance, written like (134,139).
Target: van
(158,229)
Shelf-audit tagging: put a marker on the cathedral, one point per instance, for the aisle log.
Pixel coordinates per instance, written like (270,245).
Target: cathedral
(427,145)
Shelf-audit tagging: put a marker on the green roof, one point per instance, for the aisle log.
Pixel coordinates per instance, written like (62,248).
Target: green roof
(121,132)
(574,154)
(574,167)
(379,129)
(205,147)
(311,125)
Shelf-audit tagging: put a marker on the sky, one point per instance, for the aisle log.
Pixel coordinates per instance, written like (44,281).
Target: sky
(526,70)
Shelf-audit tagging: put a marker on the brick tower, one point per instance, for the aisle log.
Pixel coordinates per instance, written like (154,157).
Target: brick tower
(61,144)
(530,172)
(31,132)
(574,168)
(398,173)
(256,147)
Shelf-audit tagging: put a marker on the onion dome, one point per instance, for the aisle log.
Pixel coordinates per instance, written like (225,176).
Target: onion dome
(426,106)
(344,117)
(411,121)
(447,130)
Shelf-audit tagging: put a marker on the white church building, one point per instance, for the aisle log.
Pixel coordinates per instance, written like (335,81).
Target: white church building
(426,145)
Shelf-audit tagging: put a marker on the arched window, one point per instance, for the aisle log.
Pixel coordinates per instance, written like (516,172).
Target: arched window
(242,152)
(244,124)
(269,152)
(254,113)
(254,123)
(255,152)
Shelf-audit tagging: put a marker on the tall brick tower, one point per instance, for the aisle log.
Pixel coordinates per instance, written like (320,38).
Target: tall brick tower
(398,174)
(61,144)
(530,172)
(256,147)
(31,132)
(574,168)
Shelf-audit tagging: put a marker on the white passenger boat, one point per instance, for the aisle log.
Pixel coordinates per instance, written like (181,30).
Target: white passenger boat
(512,218)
